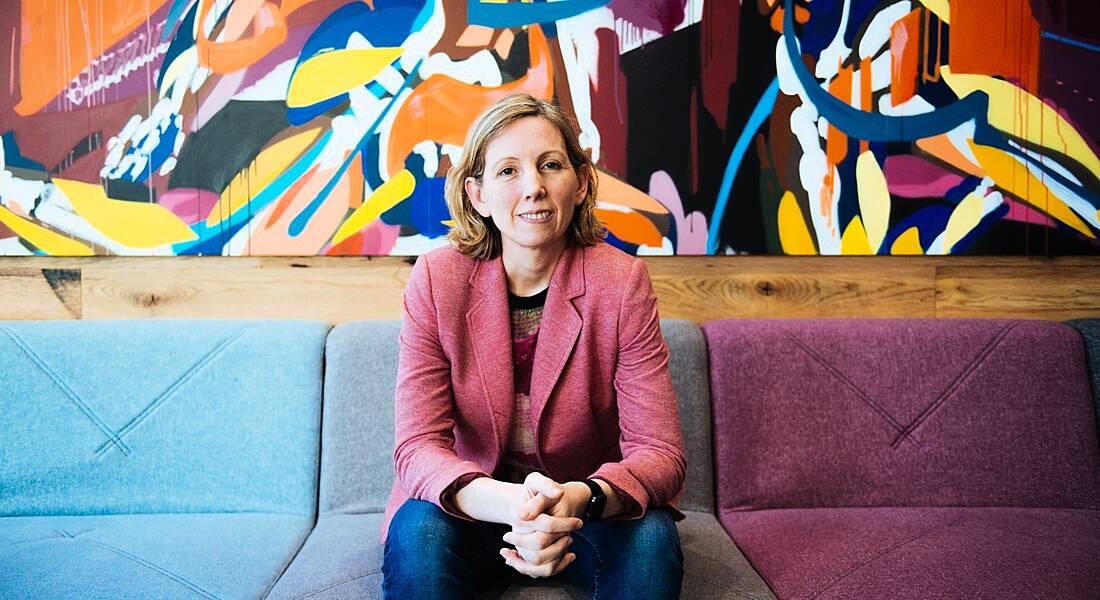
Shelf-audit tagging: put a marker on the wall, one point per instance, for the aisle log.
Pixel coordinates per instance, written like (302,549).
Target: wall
(325,127)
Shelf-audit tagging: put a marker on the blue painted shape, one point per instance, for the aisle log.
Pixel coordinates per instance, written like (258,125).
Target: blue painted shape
(162,151)
(858,11)
(979,230)
(821,28)
(620,244)
(369,163)
(13,158)
(183,40)
(759,114)
(429,207)
(299,223)
(211,238)
(425,14)
(1072,42)
(873,126)
(961,189)
(930,221)
(173,15)
(848,203)
(500,16)
(386,26)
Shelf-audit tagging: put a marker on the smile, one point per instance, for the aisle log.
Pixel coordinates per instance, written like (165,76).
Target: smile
(541,216)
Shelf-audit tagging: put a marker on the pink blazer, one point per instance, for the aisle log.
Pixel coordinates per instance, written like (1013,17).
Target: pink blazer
(601,396)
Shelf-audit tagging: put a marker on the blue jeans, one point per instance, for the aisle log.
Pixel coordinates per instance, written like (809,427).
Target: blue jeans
(430,554)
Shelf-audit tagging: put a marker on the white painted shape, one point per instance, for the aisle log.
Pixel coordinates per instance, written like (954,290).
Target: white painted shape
(413,245)
(420,43)
(479,69)
(828,62)
(272,85)
(877,33)
(664,250)
(429,151)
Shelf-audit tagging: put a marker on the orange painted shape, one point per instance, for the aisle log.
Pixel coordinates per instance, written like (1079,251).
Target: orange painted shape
(441,109)
(630,227)
(776,20)
(235,54)
(836,141)
(996,37)
(62,37)
(940,147)
(865,93)
(620,193)
(904,57)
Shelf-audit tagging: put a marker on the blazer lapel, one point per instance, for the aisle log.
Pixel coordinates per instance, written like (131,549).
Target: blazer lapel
(489,325)
(559,329)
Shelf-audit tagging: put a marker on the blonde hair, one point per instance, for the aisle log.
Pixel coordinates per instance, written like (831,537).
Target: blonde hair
(477,236)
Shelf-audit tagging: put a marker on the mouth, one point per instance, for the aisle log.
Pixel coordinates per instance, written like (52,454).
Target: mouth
(536,216)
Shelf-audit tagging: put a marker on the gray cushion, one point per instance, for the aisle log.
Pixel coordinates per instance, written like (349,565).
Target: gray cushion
(343,560)
(213,555)
(1090,332)
(687,363)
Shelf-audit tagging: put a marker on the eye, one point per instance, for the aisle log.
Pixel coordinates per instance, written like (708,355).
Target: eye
(553,165)
(507,172)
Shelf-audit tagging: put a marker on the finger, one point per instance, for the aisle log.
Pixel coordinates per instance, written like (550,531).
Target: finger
(514,560)
(537,483)
(535,540)
(551,554)
(551,524)
(539,503)
(564,562)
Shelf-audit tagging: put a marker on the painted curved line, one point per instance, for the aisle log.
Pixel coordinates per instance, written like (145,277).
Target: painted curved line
(299,223)
(759,114)
(500,16)
(882,128)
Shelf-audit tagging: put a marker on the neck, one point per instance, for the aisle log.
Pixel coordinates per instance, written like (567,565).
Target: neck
(529,270)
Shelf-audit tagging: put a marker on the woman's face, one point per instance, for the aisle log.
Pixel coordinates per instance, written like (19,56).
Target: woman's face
(529,188)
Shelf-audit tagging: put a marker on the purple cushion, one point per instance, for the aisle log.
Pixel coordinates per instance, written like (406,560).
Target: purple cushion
(902,553)
(826,413)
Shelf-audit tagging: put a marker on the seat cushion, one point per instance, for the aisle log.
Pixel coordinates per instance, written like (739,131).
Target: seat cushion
(214,555)
(923,552)
(342,559)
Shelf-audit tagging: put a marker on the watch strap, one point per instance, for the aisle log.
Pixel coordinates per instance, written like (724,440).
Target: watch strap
(596,503)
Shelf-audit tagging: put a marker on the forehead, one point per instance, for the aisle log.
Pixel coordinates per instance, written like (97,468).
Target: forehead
(532,135)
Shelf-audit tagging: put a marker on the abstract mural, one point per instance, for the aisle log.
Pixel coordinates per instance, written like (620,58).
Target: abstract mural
(326,127)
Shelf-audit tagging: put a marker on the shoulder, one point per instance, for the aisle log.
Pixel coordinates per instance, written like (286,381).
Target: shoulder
(608,269)
(445,264)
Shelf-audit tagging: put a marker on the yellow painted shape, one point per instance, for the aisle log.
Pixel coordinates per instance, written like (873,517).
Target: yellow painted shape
(387,196)
(268,165)
(44,239)
(1018,181)
(962,221)
(1016,112)
(940,8)
(132,224)
(332,73)
(908,243)
(793,234)
(874,199)
(854,240)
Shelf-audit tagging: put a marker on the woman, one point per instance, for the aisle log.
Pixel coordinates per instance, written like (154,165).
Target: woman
(535,418)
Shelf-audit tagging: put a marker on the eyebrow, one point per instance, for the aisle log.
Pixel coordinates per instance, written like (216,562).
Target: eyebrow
(541,156)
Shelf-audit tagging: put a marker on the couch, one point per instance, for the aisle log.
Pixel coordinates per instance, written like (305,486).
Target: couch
(846,459)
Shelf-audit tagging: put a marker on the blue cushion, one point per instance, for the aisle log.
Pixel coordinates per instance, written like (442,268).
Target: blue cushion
(105,417)
(147,556)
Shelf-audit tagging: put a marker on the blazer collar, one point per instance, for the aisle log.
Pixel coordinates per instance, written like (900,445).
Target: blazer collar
(489,323)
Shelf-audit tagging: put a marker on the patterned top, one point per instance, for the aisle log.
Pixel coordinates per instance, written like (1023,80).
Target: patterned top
(519,458)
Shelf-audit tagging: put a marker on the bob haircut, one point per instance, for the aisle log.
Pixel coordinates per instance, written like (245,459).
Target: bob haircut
(478,237)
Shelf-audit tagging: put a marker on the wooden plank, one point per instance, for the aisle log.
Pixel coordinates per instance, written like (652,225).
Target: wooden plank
(1028,291)
(332,294)
(759,288)
(28,293)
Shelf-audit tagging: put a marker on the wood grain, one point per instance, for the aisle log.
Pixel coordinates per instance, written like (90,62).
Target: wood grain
(30,293)
(337,289)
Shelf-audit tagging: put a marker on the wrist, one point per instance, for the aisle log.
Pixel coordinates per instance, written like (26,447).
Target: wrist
(578,494)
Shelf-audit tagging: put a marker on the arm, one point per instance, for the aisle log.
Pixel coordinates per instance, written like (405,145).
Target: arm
(653,466)
(427,466)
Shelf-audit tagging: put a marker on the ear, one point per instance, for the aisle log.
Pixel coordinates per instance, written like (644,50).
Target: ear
(473,191)
(582,186)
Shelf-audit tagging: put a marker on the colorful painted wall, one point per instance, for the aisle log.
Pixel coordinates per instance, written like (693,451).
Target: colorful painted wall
(326,127)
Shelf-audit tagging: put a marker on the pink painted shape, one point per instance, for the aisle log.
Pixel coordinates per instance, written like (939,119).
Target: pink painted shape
(911,176)
(217,98)
(1018,211)
(661,16)
(189,204)
(379,238)
(691,230)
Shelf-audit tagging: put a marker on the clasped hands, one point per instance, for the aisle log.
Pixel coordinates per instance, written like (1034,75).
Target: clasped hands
(544,516)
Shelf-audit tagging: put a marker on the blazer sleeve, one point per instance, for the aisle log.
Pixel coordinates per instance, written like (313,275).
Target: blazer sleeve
(424,457)
(653,465)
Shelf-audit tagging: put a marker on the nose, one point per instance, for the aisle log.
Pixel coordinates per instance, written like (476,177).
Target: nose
(533,185)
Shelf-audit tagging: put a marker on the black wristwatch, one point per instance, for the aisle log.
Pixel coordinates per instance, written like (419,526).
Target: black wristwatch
(594,509)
